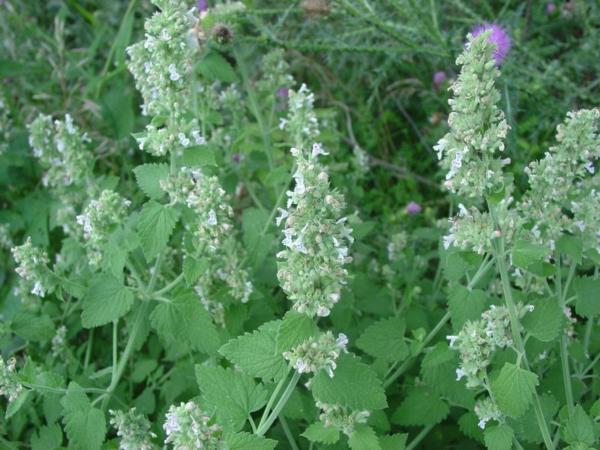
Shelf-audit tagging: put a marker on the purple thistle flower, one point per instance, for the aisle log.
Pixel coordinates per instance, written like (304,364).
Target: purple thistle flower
(202,5)
(438,78)
(413,208)
(498,36)
(550,8)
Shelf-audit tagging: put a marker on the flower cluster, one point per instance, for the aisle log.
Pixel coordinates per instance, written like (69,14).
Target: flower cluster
(160,66)
(36,277)
(477,125)
(218,23)
(301,122)
(478,340)
(474,230)
(97,221)
(9,384)
(318,353)
(6,242)
(486,410)
(59,341)
(563,195)
(276,80)
(341,418)
(133,430)
(188,427)
(317,239)
(212,230)
(61,149)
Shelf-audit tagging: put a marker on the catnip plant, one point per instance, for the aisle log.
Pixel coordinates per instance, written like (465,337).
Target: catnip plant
(233,272)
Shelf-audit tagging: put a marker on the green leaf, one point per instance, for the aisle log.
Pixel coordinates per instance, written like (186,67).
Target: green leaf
(16,404)
(579,429)
(385,340)
(572,246)
(393,442)
(363,438)
(545,321)
(48,437)
(232,395)
(421,407)
(317,432)
(498,437)
(587,290)
(294,329)
(106,300)
(193,268)
(466,305)
(248,441)
(354,385)
(256,353)
(513,389)
(525,254)
(185,320)
(148,178)
(199,156)
(85,425)
(216,68)
(155,225)
(33,327)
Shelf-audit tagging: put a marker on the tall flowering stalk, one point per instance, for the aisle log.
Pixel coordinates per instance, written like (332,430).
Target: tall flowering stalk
(317,239)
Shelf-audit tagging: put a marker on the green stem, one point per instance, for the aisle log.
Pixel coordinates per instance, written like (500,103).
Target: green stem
(419,437)
(288,433)
(515,326)
(262,429)
(272,399)
(169,286)
(118,373)
(564,354)
(481,271)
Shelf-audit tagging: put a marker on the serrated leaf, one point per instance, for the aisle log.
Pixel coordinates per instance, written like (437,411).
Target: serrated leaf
(85,425)
(248,441)
(199,156)
(294,329)
(256,353)
(588,296)
(393,442)
(354,385)
(438,370)
(465,305)
(363,438)
(106,300)
(216,68)
(420,407)
(545,321)
(525,253)
(385,340)
(572,246)
(498,437)
(148,178)
(193,268)
(317,432)
(33,327)
(579,428)
(184,319)
(232,395)
(14,406)
(48,437)
(513,389)
(155,225)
